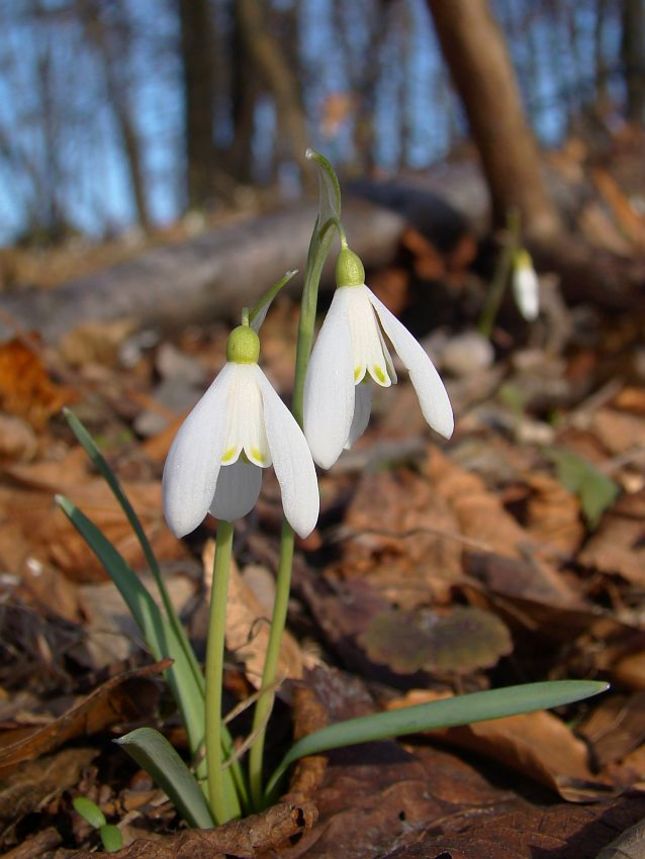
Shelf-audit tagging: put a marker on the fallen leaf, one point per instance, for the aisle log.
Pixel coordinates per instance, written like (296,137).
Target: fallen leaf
(615,727)
(596,491)
(247,627)
(618,431)
(459,640)
(17,439)
(26,389)
(553,513)
(618,546)
(119,699)
(538,745)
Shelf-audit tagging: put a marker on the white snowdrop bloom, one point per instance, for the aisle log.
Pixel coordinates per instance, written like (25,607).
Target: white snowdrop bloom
(526,287)
(239,427)
(350,350)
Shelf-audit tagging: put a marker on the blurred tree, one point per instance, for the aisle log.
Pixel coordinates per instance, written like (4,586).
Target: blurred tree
(633,51)
(270,62)
(107,28)
(474,49)
(197,50)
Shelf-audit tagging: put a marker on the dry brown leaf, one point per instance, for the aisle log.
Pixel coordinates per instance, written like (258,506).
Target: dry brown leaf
(255,836)
(538,745)
(17,439)
(618,546)
(481,516)
(615,727)
(405,539)
(95,342)
(618,431)
(119,699)
(26,389)
(247,627)
(631,400)
(553,513)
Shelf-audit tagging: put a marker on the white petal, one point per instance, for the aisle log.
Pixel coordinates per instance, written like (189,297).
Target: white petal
(362,412)
(526,289)
(329,386)
(433,397)
(238,487)
(193,463)
(292,461)
(368,347)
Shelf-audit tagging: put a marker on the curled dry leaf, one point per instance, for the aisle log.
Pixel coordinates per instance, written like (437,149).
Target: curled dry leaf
(119,699)
(461,640)
(618,546)
(254,836)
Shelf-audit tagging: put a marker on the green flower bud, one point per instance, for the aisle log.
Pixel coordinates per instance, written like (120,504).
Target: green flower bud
(523,259)
(243,346)
(349,269)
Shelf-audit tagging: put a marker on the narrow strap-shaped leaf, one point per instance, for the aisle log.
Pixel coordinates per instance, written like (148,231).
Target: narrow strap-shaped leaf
(462,710)
(91,449)
(152,751)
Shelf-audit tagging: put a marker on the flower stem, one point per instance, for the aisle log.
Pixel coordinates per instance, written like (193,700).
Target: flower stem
(501,275)
(223,800)
(318,250)
(265,701)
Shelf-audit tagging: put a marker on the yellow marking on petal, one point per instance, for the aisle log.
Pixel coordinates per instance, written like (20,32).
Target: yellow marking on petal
(380,374)
(357,373)
(256,453)
(228,455)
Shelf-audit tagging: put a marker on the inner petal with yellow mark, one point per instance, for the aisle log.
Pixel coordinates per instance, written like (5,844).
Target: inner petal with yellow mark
(245,430)
(370,353)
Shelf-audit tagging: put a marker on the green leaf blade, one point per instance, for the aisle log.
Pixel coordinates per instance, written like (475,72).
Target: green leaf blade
(89,811)
(462,710)
(111,837)
(152,751)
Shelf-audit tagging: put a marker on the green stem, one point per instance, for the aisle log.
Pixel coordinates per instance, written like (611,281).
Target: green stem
(501,276)
(265,701)
(318,251)
(223,800)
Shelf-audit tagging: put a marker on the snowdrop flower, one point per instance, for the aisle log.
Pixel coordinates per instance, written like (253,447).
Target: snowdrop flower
(526,288)
(239,427)
(350,348)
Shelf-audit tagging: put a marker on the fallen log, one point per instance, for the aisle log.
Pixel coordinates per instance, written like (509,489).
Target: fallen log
(210,276)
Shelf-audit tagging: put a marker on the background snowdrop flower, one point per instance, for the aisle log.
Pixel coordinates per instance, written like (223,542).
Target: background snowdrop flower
(526,288)
(239,427)
(350,350)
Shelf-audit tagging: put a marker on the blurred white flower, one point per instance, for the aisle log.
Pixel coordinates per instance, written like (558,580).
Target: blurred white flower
(239,427)
(526,287)
(350,349)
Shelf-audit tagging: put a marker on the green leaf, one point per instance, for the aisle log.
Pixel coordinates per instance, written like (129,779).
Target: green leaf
(89,811)
(462,710)
(89,446)
(111,837)
(155,628)
(596,491)
(258,312)
(152,751)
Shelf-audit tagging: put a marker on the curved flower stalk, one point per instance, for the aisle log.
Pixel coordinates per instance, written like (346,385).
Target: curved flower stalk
(526,287)
(351,348)
(239,427)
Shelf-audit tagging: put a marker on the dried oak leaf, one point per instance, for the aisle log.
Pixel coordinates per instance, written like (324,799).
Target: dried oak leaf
(119,699)
(462,640)
(26,389)
(618,546)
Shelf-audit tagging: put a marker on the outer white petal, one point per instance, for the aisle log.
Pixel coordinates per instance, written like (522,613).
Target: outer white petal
(526,289)
(193,463)
(329,386)
(433,397)
(292,461)
(361,412)
(238,487)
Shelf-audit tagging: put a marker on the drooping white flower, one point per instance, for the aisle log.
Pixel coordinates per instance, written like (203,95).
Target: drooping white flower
(239,427)
(350,350)
(526,287)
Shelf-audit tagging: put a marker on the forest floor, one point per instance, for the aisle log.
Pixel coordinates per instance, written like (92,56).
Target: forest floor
(514,552)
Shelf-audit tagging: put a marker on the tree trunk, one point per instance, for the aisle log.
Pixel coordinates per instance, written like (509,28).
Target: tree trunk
(198,71)
(474,49)
(271,66)
(633,51)
(117,93)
